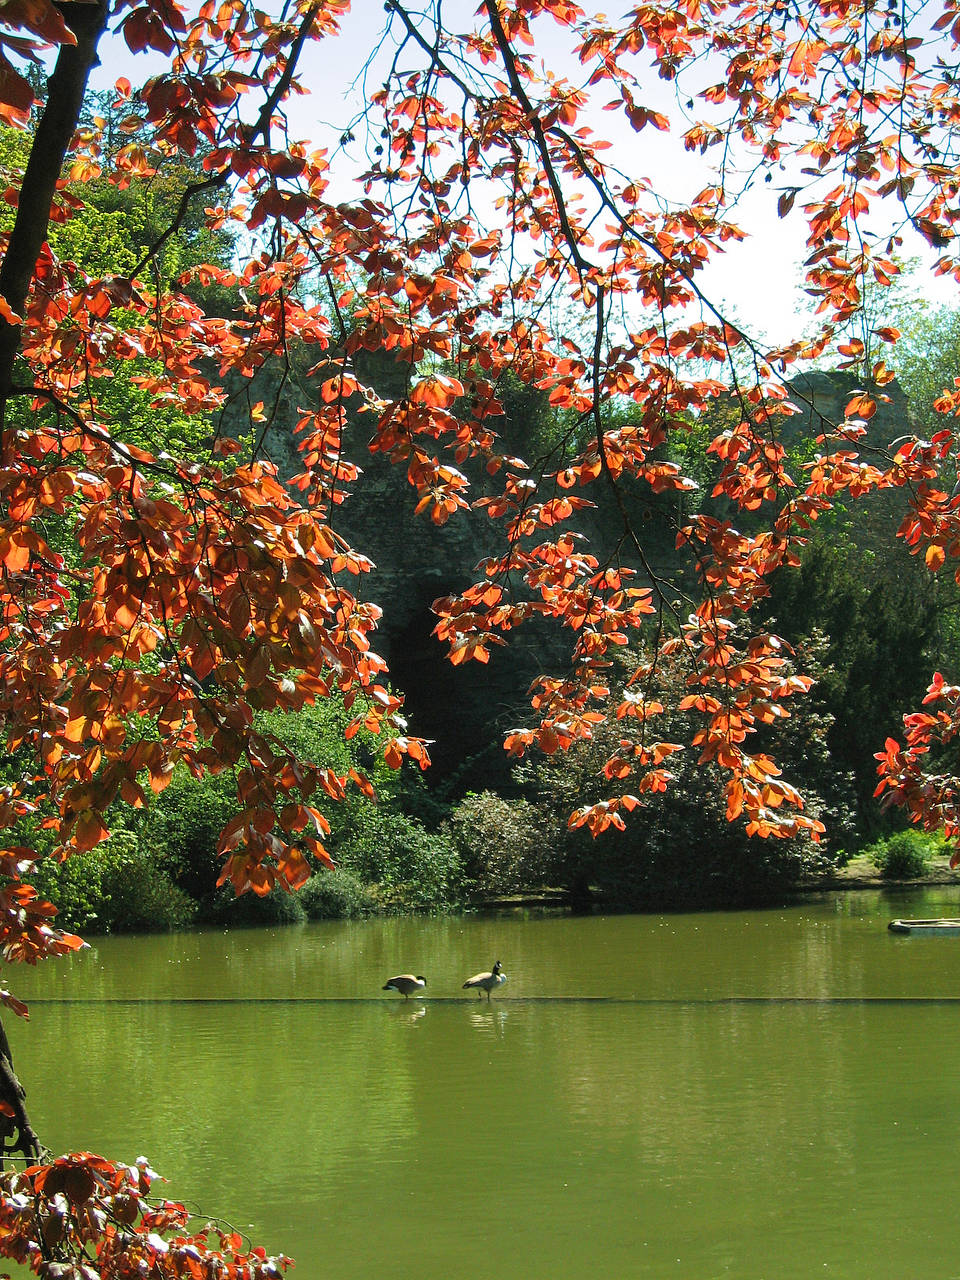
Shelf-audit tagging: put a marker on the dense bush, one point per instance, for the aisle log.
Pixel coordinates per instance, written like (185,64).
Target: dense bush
(875,624)
(138,892)
(183,826)
(678,849)
(335,895)
(905,855)
(279,906)
(114,888)
(503,844)
(409,867)
(185,821)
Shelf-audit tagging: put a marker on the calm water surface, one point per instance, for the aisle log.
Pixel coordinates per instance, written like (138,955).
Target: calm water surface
(764,1095)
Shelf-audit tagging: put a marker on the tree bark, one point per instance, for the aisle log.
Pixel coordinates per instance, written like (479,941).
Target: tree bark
(66,89)
(65,93)
(12,1093)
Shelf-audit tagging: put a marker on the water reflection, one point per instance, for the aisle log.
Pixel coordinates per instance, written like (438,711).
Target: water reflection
(642,1118)
(489,1021)
(407,1014)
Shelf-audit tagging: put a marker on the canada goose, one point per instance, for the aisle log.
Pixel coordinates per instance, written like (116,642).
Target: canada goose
(406,984)
(487,981)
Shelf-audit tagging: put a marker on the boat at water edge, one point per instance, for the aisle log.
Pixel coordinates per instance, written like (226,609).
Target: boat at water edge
(936,926)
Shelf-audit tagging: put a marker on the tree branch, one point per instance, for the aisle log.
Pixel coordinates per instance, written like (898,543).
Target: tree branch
(65,93)
(12,1093)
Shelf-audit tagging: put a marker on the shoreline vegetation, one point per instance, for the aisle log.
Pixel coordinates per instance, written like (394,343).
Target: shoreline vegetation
(146,904)
(862,873)
(859,873)
(443,850)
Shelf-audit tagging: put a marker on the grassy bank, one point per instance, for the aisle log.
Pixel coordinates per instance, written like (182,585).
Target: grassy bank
(862,873)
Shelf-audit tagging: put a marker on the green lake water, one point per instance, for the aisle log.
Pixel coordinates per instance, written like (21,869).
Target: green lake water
(767,1095)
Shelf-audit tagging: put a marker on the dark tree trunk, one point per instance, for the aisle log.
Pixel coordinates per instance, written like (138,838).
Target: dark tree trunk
(65,93)
(16,1132)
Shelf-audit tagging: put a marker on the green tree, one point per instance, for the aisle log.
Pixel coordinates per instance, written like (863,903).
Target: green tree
(928,361)
(878,625)
(677,848)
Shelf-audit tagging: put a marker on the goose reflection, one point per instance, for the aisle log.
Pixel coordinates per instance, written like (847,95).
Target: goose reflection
(491,1021)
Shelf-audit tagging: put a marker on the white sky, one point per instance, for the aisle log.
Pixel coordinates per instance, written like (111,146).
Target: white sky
(760,281)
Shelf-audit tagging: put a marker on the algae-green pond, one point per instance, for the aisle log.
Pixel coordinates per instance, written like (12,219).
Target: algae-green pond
(769,1095)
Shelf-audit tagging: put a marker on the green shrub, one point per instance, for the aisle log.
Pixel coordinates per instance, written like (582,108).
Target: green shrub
(75,888)
(185,820)
(117,887)
(335,895)
(139,894)
(902,856)
(411,868)
(502,843)
(184,824)
(279,906)
(678,850)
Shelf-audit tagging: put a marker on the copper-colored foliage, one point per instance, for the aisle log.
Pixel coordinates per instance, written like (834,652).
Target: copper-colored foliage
(494,235)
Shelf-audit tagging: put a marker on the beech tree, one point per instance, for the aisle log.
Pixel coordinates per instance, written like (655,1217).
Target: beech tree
(151,604)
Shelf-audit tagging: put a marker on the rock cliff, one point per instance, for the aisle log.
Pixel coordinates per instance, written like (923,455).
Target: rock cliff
(466,710)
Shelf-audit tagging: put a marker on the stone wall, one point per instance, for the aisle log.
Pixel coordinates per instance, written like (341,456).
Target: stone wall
(466,710)
(824,396)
